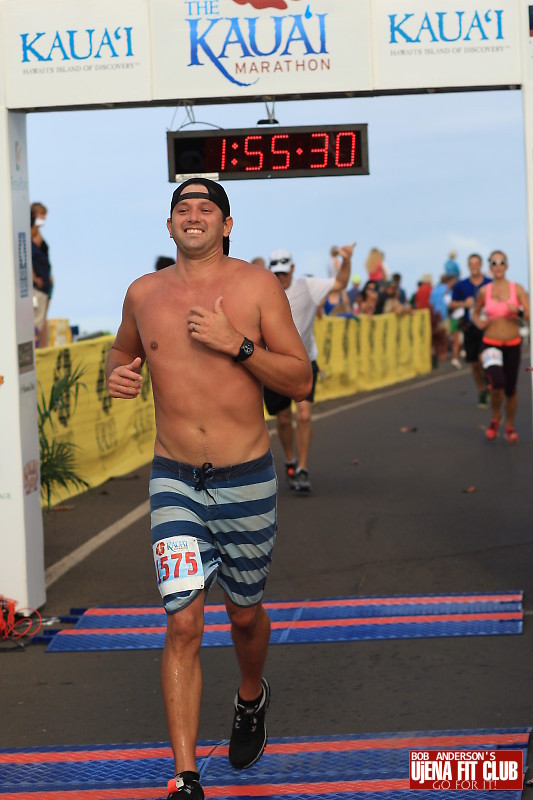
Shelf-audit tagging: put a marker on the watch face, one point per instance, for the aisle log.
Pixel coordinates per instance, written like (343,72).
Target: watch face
(248,348)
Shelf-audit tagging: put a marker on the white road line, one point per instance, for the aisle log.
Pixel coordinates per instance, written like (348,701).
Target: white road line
(57,570)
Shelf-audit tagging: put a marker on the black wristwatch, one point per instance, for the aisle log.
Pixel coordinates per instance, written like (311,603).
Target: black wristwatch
(245,351)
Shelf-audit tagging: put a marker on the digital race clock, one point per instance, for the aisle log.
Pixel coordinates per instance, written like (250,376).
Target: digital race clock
(273,152)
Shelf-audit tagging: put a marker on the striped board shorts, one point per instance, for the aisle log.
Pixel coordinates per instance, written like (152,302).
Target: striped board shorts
(230,512)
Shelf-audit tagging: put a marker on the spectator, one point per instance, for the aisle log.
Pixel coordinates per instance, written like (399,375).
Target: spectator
(397,280)
(374,265)
(259,261)
(334,263)
(451,267)
(365,305)
(421,299)
(42,277)
(439,301)
(389,300)
(354,290)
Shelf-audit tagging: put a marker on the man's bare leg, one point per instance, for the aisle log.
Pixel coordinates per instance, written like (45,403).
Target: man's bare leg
(250,631)
(284,425)
(510,409)
(181,680)
(304,432)
(478,374)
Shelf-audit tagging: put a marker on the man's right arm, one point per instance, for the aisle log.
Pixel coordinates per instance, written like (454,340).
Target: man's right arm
(126,356)
(343,275)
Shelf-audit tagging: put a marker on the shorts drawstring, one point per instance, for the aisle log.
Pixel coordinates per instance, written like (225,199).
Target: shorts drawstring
(201,475)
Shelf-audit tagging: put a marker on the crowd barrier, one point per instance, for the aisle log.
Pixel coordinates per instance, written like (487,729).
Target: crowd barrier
(115,437)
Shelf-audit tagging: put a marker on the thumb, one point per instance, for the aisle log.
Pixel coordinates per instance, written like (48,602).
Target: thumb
(135,364)
(218,305)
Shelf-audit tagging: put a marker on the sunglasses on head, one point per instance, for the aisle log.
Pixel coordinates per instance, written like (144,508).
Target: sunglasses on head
(280,261)
(501,263)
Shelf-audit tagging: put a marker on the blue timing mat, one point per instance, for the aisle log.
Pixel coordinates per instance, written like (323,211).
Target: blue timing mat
(331,620)
(357,767)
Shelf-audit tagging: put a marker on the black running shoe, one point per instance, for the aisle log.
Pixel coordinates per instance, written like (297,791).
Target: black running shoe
(178,789)
(249,734)
(303,484)
(290,472)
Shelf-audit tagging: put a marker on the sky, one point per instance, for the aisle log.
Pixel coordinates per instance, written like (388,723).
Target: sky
(447,171)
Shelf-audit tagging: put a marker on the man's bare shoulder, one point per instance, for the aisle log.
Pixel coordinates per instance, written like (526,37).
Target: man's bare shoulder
(147,283)
(260,276)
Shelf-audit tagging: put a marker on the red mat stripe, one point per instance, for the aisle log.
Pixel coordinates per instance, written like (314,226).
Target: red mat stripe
(352,601)
(267,790)
(280,748)
(317,623)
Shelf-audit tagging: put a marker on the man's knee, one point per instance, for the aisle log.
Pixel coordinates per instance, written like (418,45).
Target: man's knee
(185,628)
(303,412)
(244,617)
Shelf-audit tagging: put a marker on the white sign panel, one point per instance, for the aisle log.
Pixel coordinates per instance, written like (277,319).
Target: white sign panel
(63,53)
(246,48)
(419,43)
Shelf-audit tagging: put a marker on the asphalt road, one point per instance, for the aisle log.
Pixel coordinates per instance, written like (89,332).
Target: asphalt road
(391,511)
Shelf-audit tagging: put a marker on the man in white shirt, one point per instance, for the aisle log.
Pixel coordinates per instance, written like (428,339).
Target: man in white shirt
(305,295)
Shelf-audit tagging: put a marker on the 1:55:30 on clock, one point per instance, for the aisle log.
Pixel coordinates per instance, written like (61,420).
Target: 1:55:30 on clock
(273,152)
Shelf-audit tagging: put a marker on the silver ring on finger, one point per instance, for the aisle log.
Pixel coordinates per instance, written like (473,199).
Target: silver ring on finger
(194,326)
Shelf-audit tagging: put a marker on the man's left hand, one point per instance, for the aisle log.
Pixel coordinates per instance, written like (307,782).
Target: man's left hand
(213,329)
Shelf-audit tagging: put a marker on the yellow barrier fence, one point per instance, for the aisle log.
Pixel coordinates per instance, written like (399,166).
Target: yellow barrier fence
(114,437)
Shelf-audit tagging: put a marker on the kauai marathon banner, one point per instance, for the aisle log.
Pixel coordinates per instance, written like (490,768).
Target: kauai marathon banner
(72,53)
(242,48)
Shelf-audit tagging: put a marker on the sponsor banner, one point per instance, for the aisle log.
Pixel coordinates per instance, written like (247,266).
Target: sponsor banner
(244,48)
(63,53)
(419,44)
(114,437)
(371,353)
(466,770)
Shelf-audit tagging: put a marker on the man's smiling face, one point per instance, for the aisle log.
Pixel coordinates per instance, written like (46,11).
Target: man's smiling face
(197,225)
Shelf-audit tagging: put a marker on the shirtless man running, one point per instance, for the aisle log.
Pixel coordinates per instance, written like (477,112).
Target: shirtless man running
(213,329)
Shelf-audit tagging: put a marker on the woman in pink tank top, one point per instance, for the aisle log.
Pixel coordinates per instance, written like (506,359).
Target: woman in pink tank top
(500,306)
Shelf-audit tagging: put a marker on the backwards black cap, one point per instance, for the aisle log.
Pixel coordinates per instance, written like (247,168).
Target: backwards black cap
(216,194)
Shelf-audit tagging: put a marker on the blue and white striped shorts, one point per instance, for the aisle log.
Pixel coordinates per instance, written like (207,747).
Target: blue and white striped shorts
(231,512)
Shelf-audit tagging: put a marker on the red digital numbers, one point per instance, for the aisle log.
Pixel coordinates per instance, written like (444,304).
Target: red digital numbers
(350,135)
(284,152)
(324,150)
(163,569)
(281,152)
(248,152)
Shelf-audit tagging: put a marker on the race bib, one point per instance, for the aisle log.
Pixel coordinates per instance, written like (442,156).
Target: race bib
(178,564)
(491,357)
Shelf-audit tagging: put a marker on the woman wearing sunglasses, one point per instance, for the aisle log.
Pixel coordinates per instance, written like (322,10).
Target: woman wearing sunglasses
(500,306)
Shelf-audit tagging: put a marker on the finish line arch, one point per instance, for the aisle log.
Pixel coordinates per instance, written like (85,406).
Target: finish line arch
(71,55)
